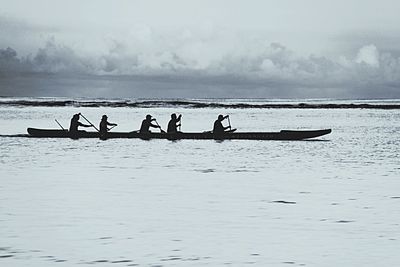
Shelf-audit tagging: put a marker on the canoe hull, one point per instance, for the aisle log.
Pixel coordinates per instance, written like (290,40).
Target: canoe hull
(282,135)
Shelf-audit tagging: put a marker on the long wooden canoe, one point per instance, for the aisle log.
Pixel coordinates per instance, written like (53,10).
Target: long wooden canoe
(282,135)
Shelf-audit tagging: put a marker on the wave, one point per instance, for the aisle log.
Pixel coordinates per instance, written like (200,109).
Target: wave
(232,104)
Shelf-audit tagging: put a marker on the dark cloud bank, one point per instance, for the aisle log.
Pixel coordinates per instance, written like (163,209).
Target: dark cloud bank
(273,71)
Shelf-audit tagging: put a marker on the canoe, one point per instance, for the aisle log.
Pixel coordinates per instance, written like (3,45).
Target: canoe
(282,135)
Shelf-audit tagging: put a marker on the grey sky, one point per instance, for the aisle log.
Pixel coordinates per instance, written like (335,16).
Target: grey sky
(318,15)
(286,21)
(313,41)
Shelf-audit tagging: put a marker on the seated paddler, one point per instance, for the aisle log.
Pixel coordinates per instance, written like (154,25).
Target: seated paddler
(104,125)
(218,127)
(75,123)
(147,123)
(173,124)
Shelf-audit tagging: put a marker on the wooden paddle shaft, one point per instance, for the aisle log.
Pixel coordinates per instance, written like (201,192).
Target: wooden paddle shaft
(161,130)
(90,123)
(59,124)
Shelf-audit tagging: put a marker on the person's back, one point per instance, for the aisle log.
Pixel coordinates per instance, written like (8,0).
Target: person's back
(73,127)
(218,127)
(103,127)
(172,124)
(145,127)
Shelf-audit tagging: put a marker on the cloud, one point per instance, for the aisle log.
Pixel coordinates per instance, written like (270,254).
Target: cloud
(193,56)
(369,55)
(55,58)
(10,63)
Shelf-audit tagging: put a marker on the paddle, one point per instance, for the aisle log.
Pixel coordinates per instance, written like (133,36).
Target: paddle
(89,122)
(229,121)
(112,127)
(159,126)
(180,123)
(59,124)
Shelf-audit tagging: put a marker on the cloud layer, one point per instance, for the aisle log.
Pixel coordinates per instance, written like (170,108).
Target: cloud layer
(256,61)
(269,46)
(209,57)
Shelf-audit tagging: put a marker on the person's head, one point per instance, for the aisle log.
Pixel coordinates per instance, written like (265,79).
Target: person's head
(173,116)
(76,116)
(220,117)
(148,117)
(104,118)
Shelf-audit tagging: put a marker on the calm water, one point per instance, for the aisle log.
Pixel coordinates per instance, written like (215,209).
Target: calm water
(332,202)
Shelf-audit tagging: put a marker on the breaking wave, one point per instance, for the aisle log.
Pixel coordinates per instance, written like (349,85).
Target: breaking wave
(194,103)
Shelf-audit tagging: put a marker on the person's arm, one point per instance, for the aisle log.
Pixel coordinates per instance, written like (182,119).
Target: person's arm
(227,127)
(83,125)
(153,125)
(111,124)
(179,118)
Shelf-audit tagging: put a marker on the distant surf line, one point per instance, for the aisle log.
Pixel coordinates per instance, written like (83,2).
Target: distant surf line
(189,104)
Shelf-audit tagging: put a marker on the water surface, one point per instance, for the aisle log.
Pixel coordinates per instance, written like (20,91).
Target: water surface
(330,202)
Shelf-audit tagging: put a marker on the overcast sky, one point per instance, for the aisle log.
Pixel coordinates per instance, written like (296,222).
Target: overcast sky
(288,15)
(283,20)
(232,37)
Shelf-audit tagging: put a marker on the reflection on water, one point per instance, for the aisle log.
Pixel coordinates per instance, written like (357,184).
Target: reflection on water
(194,202)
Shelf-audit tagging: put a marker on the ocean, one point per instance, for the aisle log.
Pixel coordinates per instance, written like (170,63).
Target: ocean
(333,201)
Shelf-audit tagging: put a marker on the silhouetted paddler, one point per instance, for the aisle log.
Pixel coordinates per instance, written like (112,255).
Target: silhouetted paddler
(75,123)
(173,123)
(146,124)
(218,127)
(104,123)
